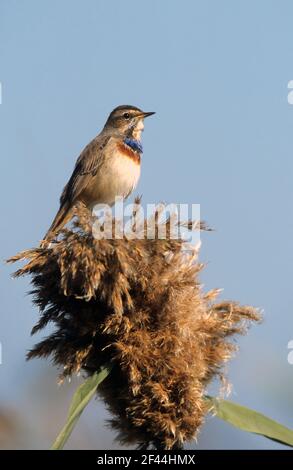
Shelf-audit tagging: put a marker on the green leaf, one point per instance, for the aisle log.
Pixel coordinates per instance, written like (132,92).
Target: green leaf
(251,421)
(81,398)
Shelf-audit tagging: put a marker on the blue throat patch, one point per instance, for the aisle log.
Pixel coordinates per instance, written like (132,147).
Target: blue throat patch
(134,144)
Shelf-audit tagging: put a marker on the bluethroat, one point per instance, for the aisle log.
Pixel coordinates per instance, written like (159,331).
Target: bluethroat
(108,167)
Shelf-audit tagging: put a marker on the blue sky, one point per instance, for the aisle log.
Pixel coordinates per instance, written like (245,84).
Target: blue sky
(216,73)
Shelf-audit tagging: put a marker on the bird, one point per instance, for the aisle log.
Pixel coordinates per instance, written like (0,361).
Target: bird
(108,167)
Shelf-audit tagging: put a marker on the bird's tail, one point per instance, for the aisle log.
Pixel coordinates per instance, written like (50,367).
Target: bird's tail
(62,217)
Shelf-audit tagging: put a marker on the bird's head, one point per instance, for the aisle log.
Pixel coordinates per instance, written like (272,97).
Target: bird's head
(127,120)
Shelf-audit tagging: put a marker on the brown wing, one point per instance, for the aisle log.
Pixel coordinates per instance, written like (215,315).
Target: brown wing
(85,168)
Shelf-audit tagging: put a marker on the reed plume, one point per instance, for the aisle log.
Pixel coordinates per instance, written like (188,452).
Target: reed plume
(139,305)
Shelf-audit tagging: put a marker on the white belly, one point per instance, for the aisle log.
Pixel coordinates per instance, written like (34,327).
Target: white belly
(117,178)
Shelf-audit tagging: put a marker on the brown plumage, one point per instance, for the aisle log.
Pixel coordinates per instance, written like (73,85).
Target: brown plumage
(85,170)
(102,171)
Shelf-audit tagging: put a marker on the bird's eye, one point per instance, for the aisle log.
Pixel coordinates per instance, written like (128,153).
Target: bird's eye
(126,115)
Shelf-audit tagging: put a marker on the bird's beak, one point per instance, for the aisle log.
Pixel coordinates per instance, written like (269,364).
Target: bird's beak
(144,115)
